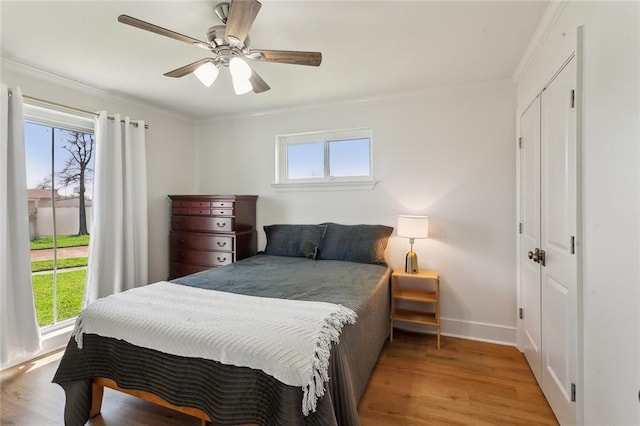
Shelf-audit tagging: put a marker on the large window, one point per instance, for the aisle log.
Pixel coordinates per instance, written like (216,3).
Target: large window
(339,158)
(59,155)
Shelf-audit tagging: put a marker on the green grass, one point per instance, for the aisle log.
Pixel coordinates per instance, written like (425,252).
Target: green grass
(62,241)
(70,293)
(47,265)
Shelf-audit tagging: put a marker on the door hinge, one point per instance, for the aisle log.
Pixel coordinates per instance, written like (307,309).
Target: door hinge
(520,142)
(573,245)
(573,98)
(521,313)
(573,392)
(520,228)
(542,258)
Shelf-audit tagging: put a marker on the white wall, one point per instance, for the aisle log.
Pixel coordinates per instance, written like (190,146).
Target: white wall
(169,143)
(611,198)
(446,153)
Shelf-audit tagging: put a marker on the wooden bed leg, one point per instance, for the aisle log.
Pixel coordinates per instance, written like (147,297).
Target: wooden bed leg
(96,399)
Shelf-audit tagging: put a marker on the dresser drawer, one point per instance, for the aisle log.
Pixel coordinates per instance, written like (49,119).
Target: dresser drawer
(221,212)
(177,269)
(206,258)
(222,204)
(207,224)
(192,204)
(201,241)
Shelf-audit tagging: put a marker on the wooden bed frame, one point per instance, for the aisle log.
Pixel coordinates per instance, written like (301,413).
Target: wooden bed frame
(97,391)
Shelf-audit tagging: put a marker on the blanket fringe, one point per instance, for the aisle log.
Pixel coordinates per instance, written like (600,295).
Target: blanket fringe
(78,332)
(329,333)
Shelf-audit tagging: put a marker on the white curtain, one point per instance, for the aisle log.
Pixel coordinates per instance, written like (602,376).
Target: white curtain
(118,243)
(19,330)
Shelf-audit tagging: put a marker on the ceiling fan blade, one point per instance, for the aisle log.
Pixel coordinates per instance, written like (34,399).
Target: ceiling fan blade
(187,69)
(312,59)
(258,84)
(143,25)
(242,13)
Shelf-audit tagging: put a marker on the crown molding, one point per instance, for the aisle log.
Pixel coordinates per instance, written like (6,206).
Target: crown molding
(439,92)
(84,87)
(547,22)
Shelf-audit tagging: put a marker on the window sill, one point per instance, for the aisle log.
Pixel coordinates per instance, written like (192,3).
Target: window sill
(325,186)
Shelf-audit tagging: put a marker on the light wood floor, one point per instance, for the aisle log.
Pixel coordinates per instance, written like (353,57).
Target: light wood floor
(463,383)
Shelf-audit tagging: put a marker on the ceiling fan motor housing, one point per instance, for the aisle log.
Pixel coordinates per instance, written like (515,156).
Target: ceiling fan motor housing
(215,35)
(222,11)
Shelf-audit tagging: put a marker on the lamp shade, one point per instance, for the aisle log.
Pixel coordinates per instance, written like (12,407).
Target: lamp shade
(207,73)
(239,68)
(241,85)
(240,74)
(413,226)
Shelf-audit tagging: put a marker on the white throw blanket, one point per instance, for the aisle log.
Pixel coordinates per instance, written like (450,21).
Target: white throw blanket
(287,339)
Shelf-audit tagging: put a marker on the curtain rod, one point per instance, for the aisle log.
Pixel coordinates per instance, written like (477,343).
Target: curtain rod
(84,111)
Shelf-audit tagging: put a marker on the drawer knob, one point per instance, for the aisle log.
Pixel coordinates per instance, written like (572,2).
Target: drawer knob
(221,260)
(222,243)
(220,225)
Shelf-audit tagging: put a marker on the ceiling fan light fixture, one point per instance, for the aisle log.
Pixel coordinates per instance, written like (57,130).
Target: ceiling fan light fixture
(241,85)
(229,44)
(239,69)
(207,73)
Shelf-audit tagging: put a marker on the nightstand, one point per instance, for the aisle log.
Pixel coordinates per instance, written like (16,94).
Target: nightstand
(425,290)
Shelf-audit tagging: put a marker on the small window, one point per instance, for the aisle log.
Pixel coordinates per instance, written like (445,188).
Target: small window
(338,159)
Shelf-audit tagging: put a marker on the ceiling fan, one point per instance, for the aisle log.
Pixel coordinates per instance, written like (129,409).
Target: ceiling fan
(229,44)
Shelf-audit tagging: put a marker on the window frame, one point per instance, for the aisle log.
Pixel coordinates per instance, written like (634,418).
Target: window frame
(325,182)
(45,115)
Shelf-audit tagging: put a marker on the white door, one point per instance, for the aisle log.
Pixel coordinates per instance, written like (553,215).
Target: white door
(558,231)
(530,236)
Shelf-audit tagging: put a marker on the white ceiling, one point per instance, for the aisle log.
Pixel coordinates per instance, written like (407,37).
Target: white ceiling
(370,48)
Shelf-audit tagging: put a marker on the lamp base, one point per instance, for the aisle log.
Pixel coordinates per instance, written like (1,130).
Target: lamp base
(411,263)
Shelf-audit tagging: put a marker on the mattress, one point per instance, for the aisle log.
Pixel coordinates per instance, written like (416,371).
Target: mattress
(239,395)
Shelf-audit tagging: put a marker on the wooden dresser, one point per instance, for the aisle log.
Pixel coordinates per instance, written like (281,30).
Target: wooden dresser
(209,231)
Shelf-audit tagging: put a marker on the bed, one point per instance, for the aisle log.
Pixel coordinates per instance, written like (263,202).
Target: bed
(331,263)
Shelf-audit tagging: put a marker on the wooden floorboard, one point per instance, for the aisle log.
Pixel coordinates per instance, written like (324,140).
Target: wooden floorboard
(464,383)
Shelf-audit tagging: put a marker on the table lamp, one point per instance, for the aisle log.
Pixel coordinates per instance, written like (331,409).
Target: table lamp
(412,227)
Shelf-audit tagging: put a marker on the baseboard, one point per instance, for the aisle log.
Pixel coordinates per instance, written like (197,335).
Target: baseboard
(472,330)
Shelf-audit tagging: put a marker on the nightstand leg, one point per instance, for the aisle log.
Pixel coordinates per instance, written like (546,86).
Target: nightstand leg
(438,337)
(391,331)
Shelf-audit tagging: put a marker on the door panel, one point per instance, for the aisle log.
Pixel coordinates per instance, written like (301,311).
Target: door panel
(530,237)
(556,343)
(558,224)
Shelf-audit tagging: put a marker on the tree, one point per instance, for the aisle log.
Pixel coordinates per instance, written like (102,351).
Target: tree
(77,170)
(45,183)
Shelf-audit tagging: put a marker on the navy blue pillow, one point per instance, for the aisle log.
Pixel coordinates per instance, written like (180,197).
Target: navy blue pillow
(355,243)
(294,240)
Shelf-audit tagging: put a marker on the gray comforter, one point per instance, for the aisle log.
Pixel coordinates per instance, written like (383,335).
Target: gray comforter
(238,395)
